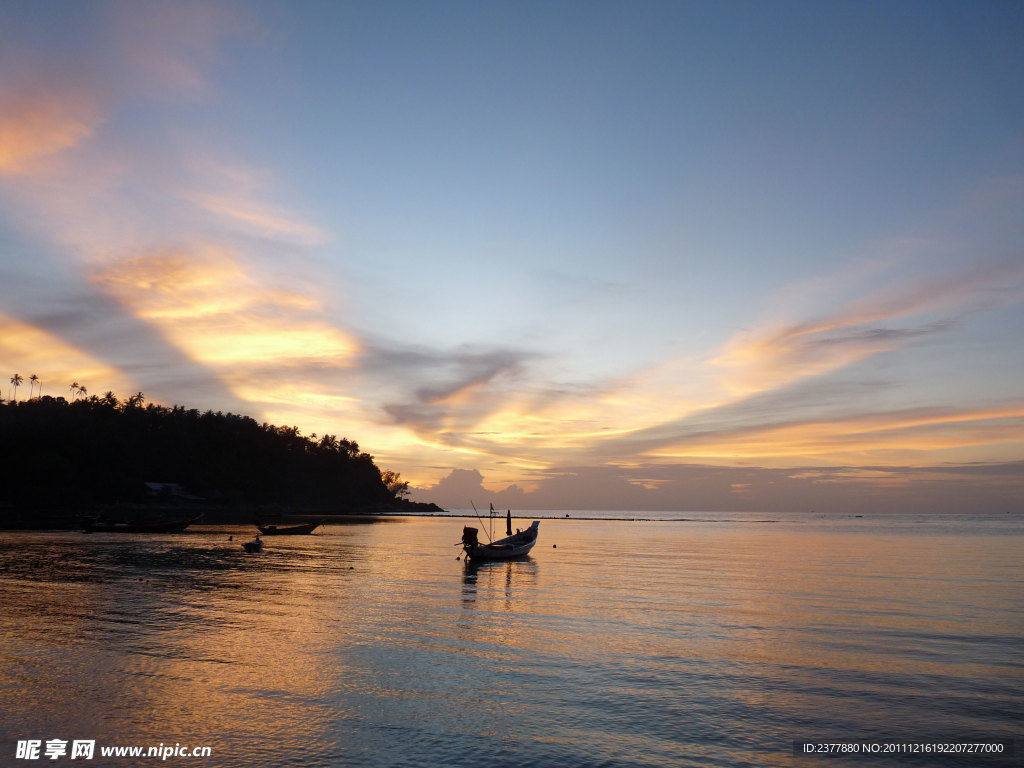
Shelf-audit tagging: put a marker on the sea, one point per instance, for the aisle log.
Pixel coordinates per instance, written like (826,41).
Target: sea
(624,639)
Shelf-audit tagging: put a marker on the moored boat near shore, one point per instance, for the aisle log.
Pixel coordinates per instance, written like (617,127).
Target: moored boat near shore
(516,545)
(289,530)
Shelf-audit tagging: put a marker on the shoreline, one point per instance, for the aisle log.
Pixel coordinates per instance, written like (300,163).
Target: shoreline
(73,522)
(589,517)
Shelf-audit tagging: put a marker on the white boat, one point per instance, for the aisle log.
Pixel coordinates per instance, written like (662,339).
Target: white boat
(516,545)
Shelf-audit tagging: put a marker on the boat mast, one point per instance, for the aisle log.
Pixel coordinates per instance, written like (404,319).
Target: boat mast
(491,538)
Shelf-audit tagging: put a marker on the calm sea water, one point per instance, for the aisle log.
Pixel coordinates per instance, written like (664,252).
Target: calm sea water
(716,640)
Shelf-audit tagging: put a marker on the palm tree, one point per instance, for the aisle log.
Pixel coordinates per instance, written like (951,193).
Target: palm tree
(33,380)
(83,391)
(74,389)
(136,399)
(16,381)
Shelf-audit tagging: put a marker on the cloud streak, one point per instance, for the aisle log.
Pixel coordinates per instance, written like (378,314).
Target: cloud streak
(219,315)
(256,217)
(172,49)
(445,392)
(886,321)
(38,121)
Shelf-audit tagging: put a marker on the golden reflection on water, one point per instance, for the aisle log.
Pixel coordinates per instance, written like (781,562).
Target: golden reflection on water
(189,641)
(652,644)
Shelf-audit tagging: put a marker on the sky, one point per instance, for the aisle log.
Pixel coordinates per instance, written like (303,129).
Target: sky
(576,255)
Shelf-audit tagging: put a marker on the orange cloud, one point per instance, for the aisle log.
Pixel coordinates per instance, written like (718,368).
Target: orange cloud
(221,315)
(39,122)
(180,284)
(886,320)
(772,359)
(597,422)
(29,350)
(912,437)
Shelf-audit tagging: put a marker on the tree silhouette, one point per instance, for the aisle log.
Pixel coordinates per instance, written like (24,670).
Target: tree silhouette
(393,481)
(16,381)
(98,451)
(33,380)
(74,389)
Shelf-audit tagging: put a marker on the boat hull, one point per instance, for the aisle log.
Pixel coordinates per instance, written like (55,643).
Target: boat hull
(517,545)
(91,525)
(289,530)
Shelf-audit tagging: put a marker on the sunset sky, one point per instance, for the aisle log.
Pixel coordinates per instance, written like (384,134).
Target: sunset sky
(619,255)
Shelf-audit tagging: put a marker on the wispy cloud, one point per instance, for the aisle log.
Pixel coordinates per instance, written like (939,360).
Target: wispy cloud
(888,319)
(172,48)
(258,218)
(442,393)
(905,434)
(39,120)
(802,390)
(797,392)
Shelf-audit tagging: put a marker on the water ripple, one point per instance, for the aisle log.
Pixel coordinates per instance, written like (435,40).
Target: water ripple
(631,644)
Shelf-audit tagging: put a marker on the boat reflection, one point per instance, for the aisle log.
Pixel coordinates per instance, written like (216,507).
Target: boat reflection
(485,580)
